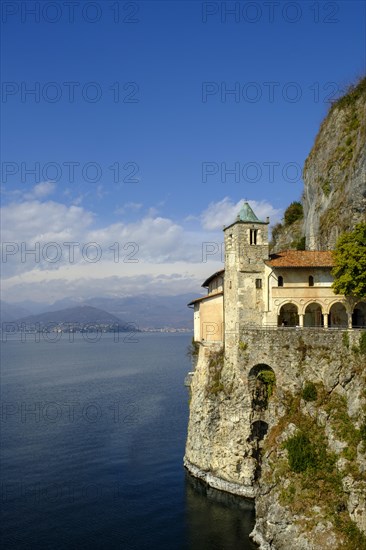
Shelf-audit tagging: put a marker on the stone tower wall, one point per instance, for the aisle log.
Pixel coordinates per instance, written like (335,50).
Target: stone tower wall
(244,303)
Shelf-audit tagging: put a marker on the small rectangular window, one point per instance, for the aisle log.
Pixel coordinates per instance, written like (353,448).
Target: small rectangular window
(258,283)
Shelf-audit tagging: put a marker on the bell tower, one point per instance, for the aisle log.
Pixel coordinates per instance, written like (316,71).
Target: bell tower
(246,250)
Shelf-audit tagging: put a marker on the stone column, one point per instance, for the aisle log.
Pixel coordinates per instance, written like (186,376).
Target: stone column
(325,320)
(349,315)
(301,319)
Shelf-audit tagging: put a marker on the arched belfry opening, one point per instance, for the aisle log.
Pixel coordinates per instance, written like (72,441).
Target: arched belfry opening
(262,381)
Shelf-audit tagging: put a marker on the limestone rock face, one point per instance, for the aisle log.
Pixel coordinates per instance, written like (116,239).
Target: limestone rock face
(237,432)
(334,197)
(295,511)
(288,237)
(219,428)
(334,174)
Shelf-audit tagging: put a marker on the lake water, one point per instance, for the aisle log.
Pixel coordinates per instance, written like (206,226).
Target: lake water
(93,439)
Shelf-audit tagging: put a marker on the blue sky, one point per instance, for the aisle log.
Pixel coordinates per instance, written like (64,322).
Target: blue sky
(143,91)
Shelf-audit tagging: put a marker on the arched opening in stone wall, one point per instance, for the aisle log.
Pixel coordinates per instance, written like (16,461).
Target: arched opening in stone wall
(288,316)
(313,315)
(259,429)
(359,315)
(338,316)
(261,381)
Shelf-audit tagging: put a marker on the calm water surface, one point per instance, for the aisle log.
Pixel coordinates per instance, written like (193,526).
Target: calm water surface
(93,438)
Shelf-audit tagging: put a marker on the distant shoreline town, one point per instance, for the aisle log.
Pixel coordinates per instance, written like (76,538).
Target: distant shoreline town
(10,327)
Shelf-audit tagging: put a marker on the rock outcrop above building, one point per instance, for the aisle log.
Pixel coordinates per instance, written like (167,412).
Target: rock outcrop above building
(335,172)
(334,197)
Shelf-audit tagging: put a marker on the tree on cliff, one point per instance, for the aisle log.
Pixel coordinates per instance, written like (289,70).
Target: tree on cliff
(349,271)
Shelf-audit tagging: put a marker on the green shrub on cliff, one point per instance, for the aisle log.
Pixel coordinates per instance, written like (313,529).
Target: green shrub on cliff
(293,213)
(352,94)
(215,365)
(309,392)
(300,244)
(242,346)
(269,380)
(350,263)
(193,349)
(301,453)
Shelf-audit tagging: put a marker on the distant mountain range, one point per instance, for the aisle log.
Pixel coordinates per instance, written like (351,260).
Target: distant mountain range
(11,312)
(143,311)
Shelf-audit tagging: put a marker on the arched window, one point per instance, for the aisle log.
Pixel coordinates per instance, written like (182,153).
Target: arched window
(280,280)
(311,280)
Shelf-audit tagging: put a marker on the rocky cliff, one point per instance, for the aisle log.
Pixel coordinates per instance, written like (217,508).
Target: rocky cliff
(290,431)
(280,415)
(312,489)
(334,198)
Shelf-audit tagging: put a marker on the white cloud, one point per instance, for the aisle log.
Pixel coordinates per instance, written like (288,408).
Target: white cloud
(48,227)
(34,220)
(153,254)
(41,190)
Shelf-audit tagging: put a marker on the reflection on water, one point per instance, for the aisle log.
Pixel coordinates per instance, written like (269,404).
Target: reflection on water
(217,520)
(109,474)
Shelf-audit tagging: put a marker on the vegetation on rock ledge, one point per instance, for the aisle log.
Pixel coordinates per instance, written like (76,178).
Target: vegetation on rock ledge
(351,95)
(351,104)
(301,453)
(215,365)
(350,263)
(193,349)
(309,392)
(293,213)
(269,380)
(311,471)
(289,233)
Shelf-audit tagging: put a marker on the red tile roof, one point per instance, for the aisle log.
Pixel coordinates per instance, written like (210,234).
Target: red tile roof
(301,258)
